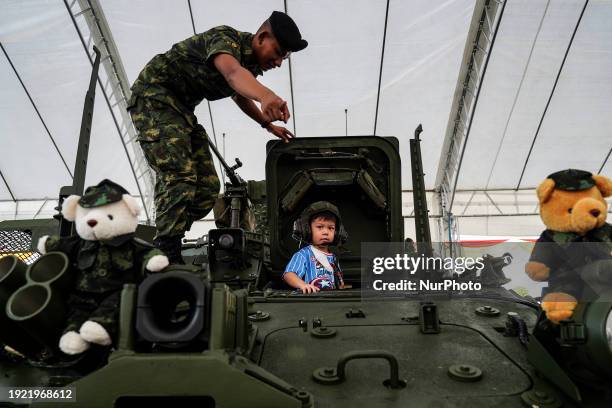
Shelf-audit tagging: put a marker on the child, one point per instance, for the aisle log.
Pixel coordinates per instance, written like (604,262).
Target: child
(314,267)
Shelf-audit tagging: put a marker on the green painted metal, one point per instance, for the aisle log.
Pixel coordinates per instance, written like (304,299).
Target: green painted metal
(227,379)
(12,277)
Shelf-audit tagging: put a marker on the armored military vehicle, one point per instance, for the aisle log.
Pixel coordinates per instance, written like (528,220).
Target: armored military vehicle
(225,330)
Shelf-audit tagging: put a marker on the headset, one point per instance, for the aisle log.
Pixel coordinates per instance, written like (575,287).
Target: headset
(301,226)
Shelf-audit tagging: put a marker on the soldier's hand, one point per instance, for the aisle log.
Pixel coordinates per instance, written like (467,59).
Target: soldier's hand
(308,288)
(285,112)
(280,132)
(274,108)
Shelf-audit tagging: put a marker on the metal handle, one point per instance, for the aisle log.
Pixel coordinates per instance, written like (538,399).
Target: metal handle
(330,375)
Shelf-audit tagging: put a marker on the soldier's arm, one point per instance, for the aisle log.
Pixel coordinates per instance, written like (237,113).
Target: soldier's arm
(242,81)
(249,107)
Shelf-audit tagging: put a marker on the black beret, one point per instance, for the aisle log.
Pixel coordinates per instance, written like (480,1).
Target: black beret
(286,32)
(572,180)
(106,192)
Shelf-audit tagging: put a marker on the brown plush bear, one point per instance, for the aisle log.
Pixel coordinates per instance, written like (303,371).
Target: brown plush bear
(573,208)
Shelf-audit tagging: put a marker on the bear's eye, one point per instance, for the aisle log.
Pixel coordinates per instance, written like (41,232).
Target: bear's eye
(569,210)
(110,217)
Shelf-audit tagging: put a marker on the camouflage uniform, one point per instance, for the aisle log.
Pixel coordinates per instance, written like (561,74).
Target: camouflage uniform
(260,210)
(257,194)
(162,107)
(103,268)
(566,253)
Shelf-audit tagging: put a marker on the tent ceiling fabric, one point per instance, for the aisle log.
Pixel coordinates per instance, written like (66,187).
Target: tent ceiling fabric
(44,47)
(575,132)
(339,70)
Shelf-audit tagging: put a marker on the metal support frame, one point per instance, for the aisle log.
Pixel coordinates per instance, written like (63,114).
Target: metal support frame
(480,38)
(117,92)
(19,209)
(382,59)
(8,188)
(495,203)
(40,209)
(482,203)
(290,84)
(469,202)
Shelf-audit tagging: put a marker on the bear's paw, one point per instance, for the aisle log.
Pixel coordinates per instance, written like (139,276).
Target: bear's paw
(94,333)
(157,263)
(72,343)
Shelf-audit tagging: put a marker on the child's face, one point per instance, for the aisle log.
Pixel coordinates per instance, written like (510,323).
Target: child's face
(323,230)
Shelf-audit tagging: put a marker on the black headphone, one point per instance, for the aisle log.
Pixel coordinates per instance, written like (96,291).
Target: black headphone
(301,226)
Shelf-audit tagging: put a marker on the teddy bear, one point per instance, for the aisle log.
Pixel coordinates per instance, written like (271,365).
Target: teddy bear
(106,255)
(573,208)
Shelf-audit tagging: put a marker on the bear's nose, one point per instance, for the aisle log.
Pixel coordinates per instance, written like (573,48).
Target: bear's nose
(595,213)
(92,223)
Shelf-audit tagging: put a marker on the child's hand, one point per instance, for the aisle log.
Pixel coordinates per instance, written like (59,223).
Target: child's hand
(308,288)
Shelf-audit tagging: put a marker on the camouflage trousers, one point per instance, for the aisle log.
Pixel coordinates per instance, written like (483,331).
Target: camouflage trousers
(97,307)
(176,148)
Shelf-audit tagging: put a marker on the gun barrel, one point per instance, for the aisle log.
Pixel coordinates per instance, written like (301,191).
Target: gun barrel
(235,179)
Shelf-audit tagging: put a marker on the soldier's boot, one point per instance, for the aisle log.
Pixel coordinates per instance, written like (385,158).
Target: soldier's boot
(171,246)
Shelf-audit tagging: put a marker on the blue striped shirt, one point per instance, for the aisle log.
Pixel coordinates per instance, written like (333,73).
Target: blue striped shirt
(305,265)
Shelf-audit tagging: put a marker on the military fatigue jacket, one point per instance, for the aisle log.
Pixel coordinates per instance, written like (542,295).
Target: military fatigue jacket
(186,74)
(105,266)
(566,252)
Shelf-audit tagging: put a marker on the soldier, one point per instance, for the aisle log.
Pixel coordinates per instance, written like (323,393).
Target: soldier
(218,63)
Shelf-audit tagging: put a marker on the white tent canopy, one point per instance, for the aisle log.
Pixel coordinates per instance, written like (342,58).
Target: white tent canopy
(543,106)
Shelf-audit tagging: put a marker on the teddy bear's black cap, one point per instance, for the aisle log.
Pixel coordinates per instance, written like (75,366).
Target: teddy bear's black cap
(572,180)
(105,192)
